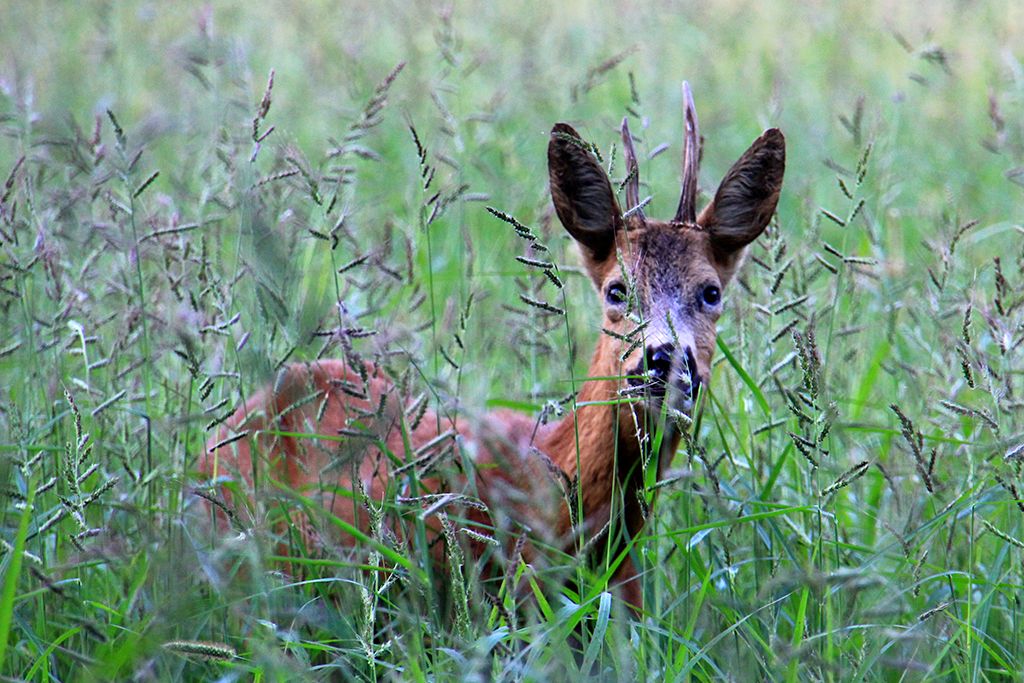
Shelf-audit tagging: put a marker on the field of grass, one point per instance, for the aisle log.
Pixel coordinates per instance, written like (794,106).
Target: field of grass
(172,231)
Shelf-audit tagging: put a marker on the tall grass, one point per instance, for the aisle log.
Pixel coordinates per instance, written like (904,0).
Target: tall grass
(175,224)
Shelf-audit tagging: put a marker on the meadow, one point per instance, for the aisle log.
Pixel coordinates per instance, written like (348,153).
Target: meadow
(192,195)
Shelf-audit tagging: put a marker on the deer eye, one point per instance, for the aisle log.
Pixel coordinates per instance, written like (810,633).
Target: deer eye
(711,295)
(616,294)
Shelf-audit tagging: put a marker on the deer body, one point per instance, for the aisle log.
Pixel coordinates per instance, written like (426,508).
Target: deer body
(660,283)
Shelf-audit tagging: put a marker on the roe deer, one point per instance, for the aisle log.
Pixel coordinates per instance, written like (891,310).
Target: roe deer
(661,286)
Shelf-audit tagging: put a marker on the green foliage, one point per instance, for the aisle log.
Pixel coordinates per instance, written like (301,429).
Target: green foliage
(174,225)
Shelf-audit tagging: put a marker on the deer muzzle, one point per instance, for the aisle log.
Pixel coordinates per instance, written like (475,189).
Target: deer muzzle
(664,370)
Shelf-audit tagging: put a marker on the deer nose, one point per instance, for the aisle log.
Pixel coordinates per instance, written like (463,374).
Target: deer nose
(691,368)
(662,366)
(659,362)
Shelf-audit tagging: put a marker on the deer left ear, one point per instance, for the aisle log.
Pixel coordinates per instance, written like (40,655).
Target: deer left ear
(745,200)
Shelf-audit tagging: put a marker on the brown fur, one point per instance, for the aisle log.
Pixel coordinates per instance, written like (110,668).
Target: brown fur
(669,264)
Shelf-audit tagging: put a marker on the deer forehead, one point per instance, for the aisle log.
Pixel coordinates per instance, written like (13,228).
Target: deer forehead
(665,258)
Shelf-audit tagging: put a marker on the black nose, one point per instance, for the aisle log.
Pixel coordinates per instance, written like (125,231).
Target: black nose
(691,367)
(659,362)
(654,375)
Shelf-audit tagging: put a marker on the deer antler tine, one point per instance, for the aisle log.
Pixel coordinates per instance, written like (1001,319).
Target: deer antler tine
(687,211)
(632,174)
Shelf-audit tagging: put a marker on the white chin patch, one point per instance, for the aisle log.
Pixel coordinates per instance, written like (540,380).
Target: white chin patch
(679,401)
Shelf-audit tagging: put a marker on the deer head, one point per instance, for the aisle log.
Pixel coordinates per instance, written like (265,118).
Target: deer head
(661,282)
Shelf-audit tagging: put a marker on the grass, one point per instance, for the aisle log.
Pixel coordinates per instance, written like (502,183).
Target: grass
(851,506)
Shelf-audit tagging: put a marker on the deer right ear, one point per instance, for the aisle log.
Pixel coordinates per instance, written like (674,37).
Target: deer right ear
(582,193)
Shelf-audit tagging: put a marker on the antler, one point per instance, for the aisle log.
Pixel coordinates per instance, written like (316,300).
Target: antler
(632,175)
(687,211)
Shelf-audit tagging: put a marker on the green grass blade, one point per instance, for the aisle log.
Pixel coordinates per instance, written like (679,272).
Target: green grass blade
(12,572)
(604,611)
(762,402)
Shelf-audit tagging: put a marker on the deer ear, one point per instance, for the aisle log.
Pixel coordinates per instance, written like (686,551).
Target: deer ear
(582,194)
(745,200)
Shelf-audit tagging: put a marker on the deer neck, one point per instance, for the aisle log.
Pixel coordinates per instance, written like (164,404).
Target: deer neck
(605,441)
